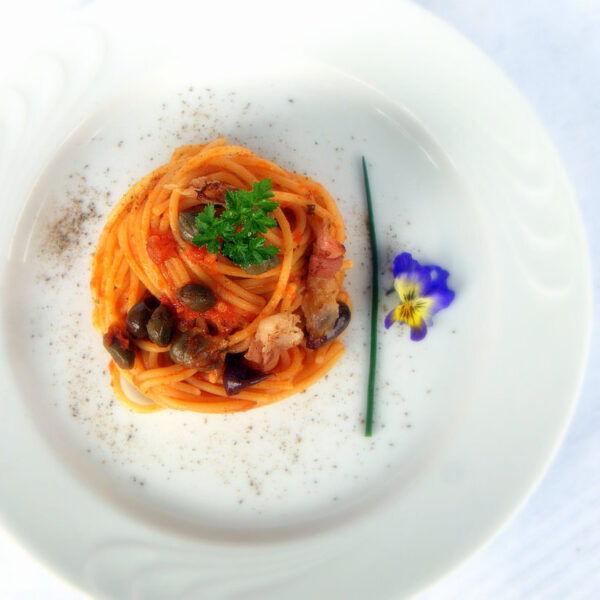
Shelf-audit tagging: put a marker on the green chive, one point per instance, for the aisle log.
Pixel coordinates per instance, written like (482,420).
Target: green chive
(374,307)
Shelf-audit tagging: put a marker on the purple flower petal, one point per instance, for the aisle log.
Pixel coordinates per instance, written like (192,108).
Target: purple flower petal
(389,319)
(405,263)
(438,279)
(441,299)
(419,332)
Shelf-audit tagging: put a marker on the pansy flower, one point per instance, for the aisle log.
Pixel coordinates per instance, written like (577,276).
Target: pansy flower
(423,291)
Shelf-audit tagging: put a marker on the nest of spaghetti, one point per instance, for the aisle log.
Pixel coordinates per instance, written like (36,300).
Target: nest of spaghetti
(191,330)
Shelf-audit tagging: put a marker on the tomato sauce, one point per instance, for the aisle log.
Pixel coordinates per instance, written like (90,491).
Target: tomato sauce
(115,332)
(201,256)
(225,317)
(161,247)
(186,317)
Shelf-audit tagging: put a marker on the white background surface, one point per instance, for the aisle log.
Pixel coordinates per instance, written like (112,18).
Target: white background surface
(551,51)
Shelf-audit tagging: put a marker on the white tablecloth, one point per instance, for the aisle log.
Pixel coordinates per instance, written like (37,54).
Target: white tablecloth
(551,550)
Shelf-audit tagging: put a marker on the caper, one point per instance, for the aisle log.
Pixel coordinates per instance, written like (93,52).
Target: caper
(187,224)
(160,326)
(191,349)
(138,317)
(265,265)
(124,357)
(196,297)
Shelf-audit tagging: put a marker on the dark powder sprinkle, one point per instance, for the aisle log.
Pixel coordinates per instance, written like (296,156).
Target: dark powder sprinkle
(66,234)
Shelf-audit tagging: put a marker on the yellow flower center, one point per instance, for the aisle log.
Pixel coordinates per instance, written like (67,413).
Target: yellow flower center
(413,308)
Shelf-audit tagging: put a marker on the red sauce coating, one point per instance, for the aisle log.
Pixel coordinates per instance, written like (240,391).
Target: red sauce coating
(225,317)
(201,256)
(161,247)
(115,332)
(186,317)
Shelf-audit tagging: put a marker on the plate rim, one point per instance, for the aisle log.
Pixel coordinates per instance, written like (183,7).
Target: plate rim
(422,16)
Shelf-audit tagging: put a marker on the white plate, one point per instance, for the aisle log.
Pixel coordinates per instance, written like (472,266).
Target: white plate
(289,501)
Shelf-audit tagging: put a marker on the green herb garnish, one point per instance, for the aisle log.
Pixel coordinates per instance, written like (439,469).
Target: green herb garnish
(374,306)
(235,233)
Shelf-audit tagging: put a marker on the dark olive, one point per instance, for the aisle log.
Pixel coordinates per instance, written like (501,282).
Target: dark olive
(138,317)
(160,326)
(340,324)
(124,357)
(187,224)
(193,349)
(197,297)
(265,265)
(238,375)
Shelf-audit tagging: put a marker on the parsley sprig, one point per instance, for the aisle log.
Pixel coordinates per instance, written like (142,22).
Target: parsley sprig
(236,231)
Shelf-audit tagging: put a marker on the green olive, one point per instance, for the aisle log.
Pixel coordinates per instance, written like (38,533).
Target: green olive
(187,224)
(196,297)
(122,356)
(138,317)
(265,265)
(160,326)
(191,349)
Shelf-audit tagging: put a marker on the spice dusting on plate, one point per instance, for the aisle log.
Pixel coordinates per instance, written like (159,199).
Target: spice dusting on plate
(67,232)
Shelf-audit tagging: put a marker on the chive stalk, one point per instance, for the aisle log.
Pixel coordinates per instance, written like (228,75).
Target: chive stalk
(374,306)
